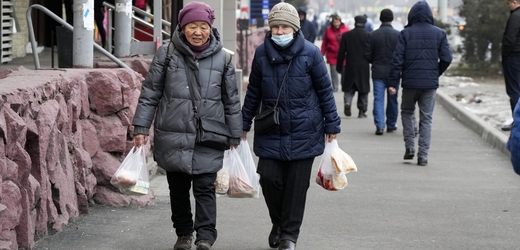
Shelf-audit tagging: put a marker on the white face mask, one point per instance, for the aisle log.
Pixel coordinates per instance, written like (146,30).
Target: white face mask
(282,40)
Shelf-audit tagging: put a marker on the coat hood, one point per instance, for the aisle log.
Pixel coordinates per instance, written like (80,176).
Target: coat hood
(420,12)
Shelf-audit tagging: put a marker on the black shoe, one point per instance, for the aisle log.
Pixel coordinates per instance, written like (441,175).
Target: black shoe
(362,115)
(274,236)
(379,131)
(347,110)
(203,245)
(287,245)
(390,130)
(507,127)
(409,154)
(183,242)
(422,161)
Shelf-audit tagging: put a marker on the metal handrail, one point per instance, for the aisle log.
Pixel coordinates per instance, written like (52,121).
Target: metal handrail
(146,14)
(66,25)
(111,7)
(149,25)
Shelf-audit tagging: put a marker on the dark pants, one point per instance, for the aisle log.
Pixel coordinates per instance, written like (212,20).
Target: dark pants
(205,204)
(511,66)
(425,98)
(99,17)
(284,185)
(362,100)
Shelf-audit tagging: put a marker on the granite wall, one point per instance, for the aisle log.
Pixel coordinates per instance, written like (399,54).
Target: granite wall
(63,134)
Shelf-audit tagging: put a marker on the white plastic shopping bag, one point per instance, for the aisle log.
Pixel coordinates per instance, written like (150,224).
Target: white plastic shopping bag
(239,182)
(335,164)
(249,165)
(222,181)
(132,175)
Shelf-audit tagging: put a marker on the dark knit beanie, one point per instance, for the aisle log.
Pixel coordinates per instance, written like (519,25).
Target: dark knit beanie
(386,16)
(360,21)
(196,11)
(284,14)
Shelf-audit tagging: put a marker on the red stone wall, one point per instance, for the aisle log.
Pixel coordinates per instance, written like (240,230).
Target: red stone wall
(63,133)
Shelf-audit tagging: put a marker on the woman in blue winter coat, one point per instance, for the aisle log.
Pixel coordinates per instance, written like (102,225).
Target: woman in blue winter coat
(291,68)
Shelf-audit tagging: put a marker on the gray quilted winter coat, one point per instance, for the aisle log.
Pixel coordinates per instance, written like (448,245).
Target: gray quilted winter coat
(169,101)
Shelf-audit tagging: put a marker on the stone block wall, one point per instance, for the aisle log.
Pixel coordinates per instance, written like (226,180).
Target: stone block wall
(63,133)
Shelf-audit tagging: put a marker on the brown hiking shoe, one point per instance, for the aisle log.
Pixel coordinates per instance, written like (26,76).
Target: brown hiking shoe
(183,242)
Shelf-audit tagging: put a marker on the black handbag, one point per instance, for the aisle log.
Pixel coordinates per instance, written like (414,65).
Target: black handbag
(270,118)
(267,120)
(210,133)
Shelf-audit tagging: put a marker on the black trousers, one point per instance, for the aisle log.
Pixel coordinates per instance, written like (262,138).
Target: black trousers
(362,100)
(511,67)
(284,185)
(205,204)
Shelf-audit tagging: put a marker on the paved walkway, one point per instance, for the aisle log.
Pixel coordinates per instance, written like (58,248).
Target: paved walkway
(466,198)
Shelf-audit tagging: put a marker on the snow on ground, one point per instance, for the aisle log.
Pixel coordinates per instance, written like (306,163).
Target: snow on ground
(486,98)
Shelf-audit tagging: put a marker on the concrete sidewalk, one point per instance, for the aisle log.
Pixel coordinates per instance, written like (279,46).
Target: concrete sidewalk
(466,198)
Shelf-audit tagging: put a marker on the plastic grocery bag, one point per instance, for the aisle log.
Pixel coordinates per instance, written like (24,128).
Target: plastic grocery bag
(222,181)
(341,161)
(239,182)
(249,165)
(335,164)
(132,175)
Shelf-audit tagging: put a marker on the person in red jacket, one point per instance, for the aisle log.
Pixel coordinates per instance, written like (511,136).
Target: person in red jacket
(330,46)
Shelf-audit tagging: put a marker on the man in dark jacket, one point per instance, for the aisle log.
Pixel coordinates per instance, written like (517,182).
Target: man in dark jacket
(307,27)
(378,52)
(511,55)
(356,74)
(421,55)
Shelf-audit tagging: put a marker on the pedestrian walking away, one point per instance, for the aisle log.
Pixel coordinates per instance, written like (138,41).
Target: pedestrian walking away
(368,26)
(355,75)
(307,27)
(194,61)
(330,46)
(421,55)
(313,18)
(511,56)
(288,72)
(378,51)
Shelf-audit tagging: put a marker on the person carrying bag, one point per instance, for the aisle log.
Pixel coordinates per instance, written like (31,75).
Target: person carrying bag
(289,74)
(193,76)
